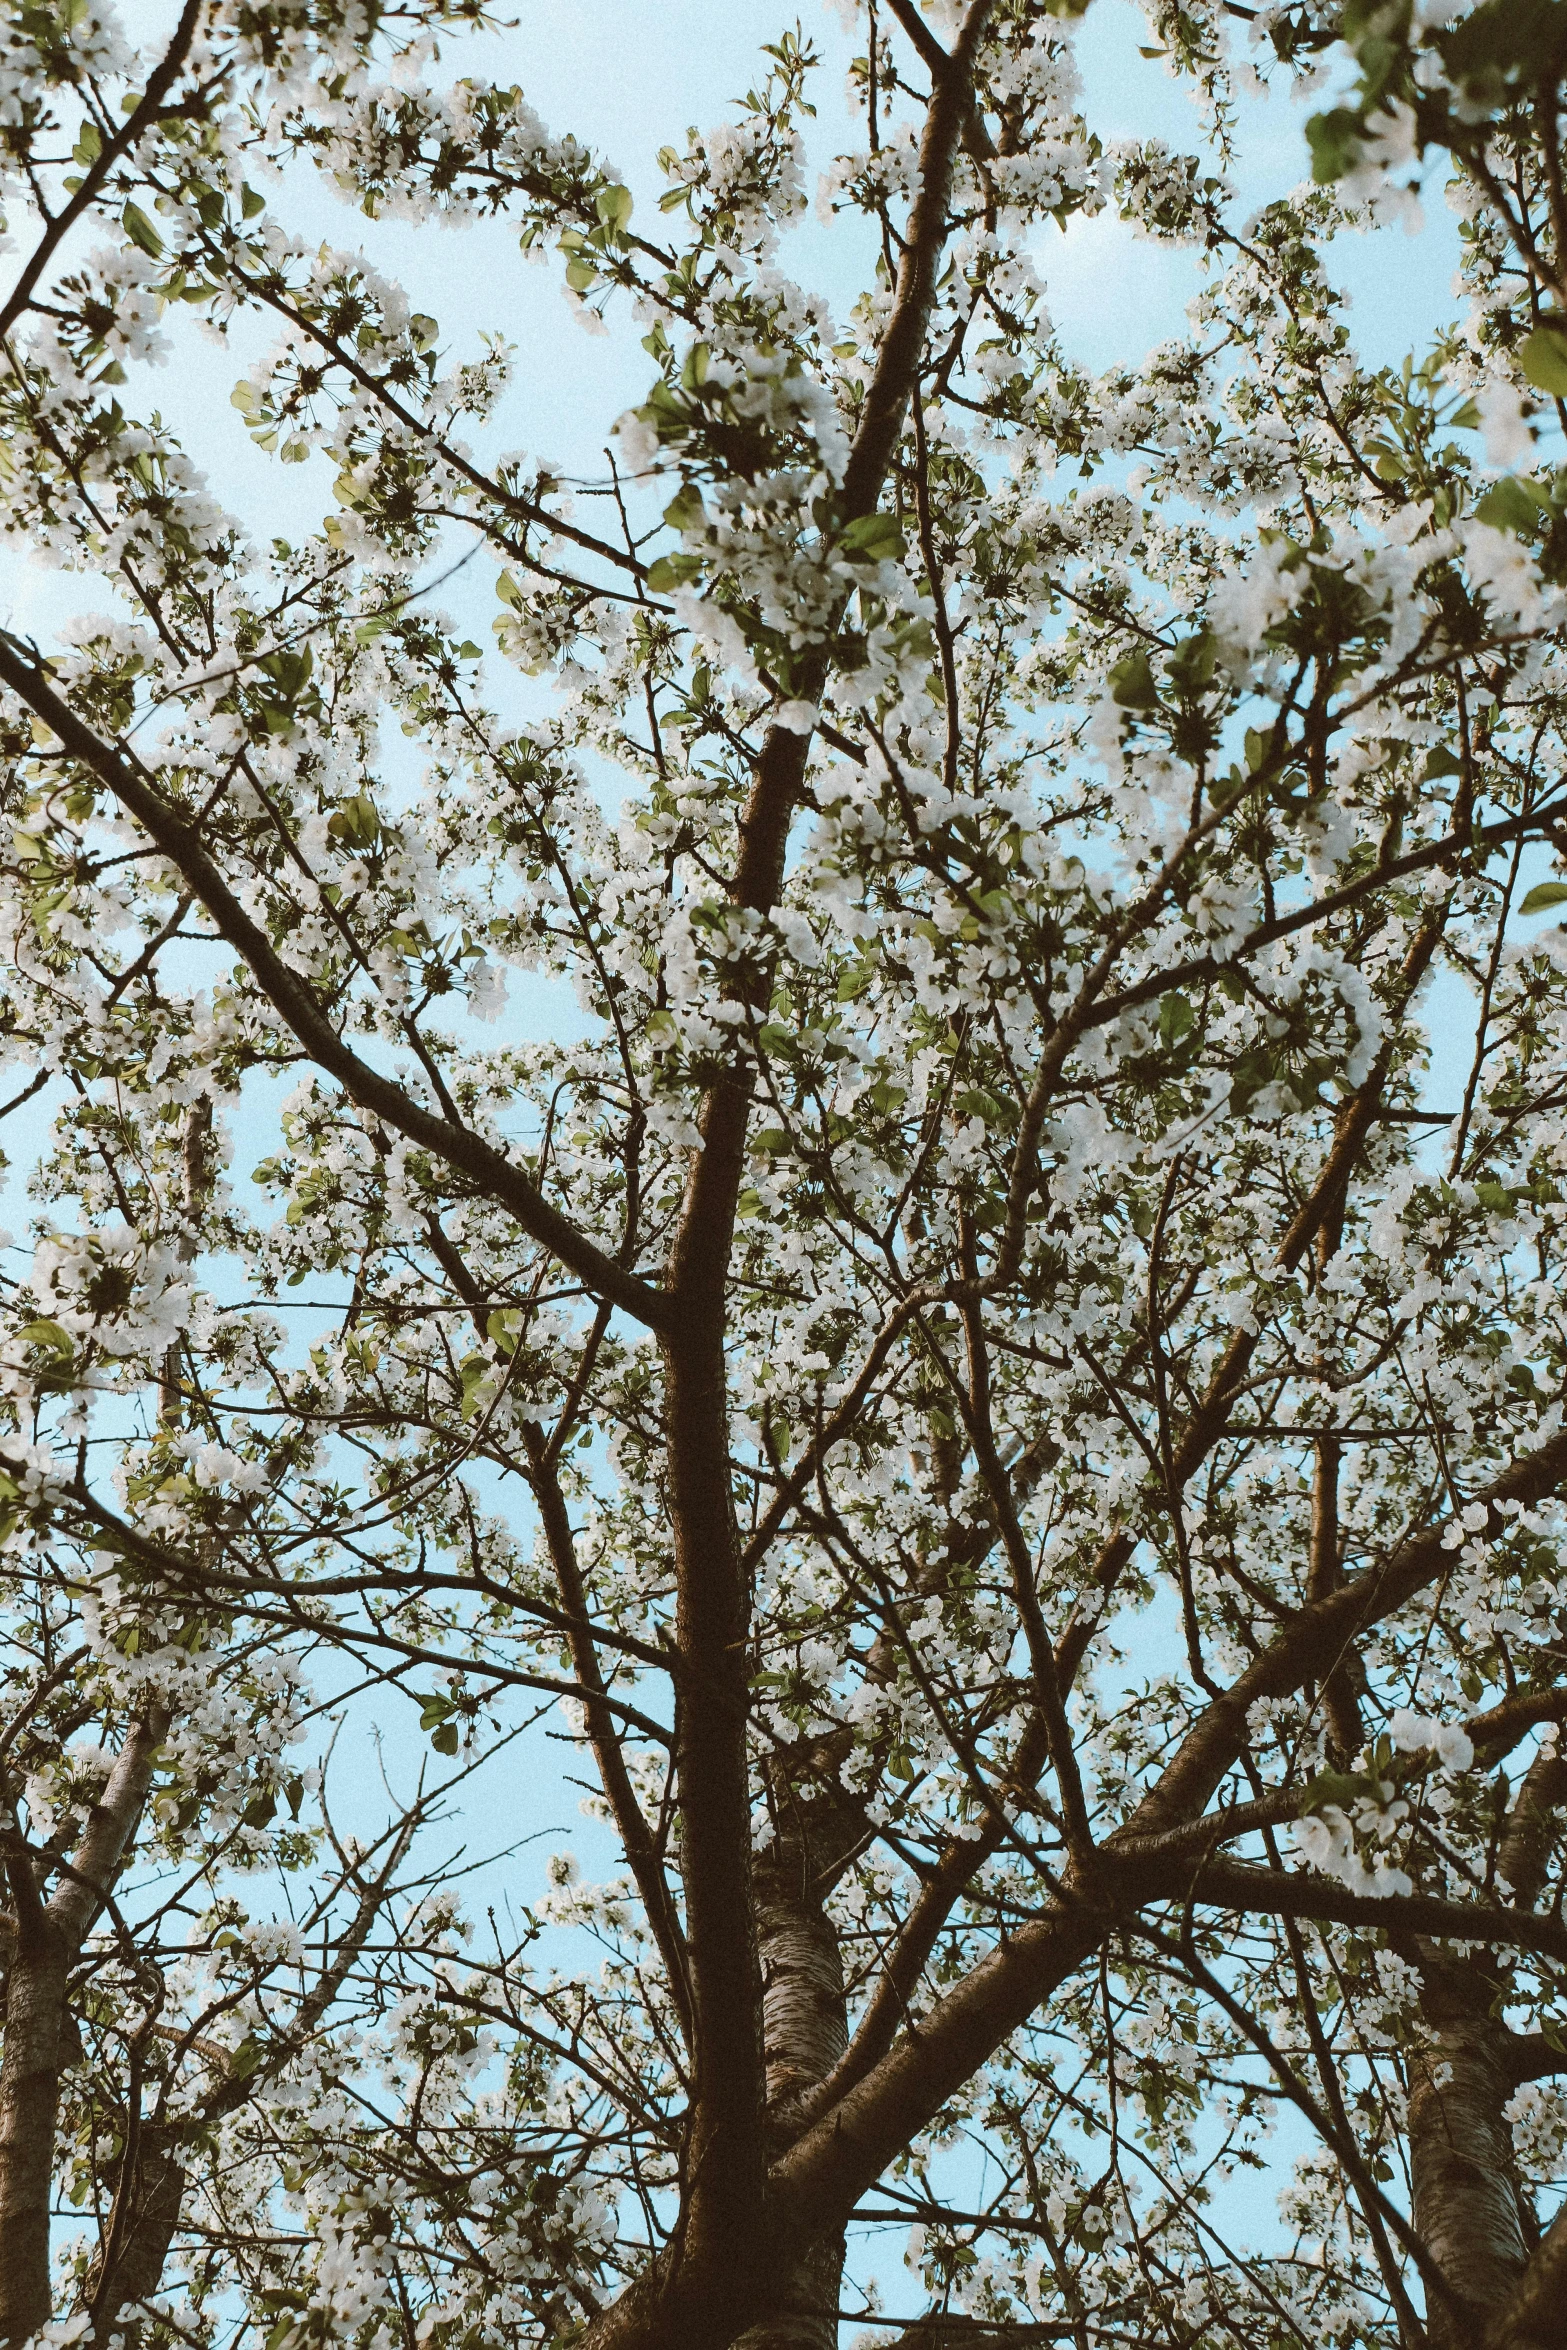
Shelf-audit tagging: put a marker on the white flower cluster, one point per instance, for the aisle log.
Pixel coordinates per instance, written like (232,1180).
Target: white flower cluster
(1334,1840)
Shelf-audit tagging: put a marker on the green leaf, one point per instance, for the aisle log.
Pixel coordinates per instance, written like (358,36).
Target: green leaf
(49,1334)
(1514,39)
(1543,358)
(141,231)
(1193,661)
(613,206)
(1338,1787)
(974,1102)
(665,416)
(1334,140)
(475,1371)
(1543,894)
(672,571)
(1176,1019)
(1132,682)
(357,821)
(503,1328)
(1509,504)
(685,510)
(876,537)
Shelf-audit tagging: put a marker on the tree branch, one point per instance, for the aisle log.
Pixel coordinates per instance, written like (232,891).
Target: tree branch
(140,119)
(295,1002)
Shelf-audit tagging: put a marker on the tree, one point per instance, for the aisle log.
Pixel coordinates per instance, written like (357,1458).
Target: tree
(1028,1447)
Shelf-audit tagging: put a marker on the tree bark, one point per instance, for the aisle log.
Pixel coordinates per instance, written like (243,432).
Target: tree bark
(1533,1825)
(1535,2318)
(48,1936)
(1468,2198)
(804,2024)
(146,2214)
(29,2106)
(725,2164)
(1467,2191)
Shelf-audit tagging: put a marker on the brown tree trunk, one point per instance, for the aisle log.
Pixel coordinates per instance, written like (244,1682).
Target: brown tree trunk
(1467,2191)
(1536,2316)
(29,2103)
(804,2026)
(1533,1826)
(146,2214)
(47,1937)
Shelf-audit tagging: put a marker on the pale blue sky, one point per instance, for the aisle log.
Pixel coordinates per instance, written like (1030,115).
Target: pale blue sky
(629,76)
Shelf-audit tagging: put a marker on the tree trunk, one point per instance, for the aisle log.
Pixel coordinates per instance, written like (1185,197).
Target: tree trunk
(44,1942)
(29,2103)
(1533,1826)
(146,2214)
(725,2176)
(1467,2207)
(804,2028)
(1536,2316)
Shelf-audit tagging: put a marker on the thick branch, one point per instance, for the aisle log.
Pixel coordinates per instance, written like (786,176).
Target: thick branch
(836,2161)
(48,1937)
(1236,1885)
(723,2216)
(467,1154)
(141,119)
(1532,2319)
(80,1897)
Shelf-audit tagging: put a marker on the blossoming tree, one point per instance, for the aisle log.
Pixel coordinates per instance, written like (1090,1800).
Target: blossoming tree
(977,1383)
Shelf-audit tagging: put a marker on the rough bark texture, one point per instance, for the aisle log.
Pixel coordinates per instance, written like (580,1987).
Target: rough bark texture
(1536,2316)
(804,2026)
(1466,2186)
(29,2102)
(48,1936)
(1533,1826)
(725,2182)
(146,2214)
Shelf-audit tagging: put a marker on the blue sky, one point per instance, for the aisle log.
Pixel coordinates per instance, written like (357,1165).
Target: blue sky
(629,76)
